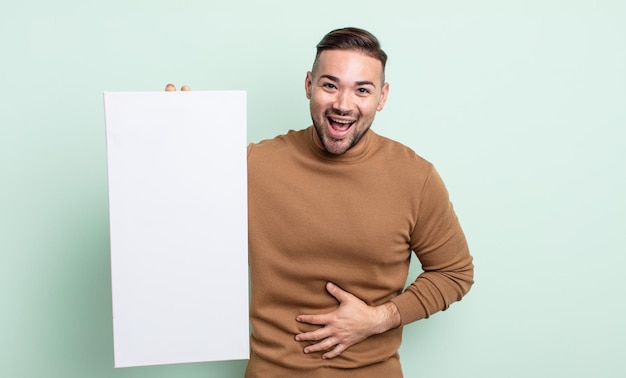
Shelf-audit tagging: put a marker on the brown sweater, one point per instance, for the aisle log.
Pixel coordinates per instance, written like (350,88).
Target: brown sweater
(352,219)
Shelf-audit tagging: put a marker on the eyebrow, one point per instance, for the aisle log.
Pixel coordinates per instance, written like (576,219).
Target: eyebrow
(336,80)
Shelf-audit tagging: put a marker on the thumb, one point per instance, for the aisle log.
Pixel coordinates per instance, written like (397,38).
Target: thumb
(337,292)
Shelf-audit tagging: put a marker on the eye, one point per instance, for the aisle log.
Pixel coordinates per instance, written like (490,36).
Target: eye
(363,91)
(329,86)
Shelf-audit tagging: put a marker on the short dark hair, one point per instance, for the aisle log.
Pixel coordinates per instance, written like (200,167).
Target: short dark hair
(351,38)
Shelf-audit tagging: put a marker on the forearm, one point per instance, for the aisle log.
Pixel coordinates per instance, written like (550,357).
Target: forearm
(388,317)
(441,247)
(435,291)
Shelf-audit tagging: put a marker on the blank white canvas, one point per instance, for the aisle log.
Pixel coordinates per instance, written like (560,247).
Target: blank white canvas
(178,224)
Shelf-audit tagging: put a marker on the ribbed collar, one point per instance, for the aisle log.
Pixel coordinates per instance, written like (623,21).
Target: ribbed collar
(356,153)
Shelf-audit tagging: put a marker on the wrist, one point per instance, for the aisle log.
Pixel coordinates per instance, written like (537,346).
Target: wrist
(389,317)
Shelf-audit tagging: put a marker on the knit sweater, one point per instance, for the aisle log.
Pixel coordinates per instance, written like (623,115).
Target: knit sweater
(352,219)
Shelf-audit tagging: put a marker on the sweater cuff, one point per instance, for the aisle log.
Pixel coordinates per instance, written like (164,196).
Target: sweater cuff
(409,307)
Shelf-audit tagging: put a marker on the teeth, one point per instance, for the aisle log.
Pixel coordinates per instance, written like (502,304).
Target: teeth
(340,121)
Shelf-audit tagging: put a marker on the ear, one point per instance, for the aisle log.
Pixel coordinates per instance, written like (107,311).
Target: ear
(383,97)
(308,82)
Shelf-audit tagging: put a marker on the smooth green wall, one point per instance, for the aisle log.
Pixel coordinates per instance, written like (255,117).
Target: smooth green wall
(520,104)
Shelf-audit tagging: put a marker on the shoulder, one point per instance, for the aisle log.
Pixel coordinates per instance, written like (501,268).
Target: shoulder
(275,153)
(398,154)
(279,142)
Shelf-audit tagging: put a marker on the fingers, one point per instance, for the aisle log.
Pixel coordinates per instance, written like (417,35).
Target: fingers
(323,345)
(172,88)
(319,334)
(337,292)
(324,340)
(340,329)
(335,352)
(328,344)
(313,319)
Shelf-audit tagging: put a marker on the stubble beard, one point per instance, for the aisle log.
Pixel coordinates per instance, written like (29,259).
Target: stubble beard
(337,146)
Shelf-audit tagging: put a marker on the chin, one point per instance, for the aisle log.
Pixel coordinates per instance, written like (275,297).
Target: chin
(336,147)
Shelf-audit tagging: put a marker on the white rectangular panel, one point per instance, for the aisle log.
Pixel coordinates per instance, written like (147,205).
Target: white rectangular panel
(178,223)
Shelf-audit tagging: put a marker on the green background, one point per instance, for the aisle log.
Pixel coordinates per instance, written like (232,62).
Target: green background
(521,105)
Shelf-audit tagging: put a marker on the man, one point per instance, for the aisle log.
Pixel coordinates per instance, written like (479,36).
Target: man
(334,213)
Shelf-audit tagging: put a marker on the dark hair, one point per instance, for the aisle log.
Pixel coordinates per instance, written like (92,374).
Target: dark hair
(352,39)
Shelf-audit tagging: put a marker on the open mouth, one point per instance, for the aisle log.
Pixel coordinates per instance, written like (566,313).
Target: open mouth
(338,128)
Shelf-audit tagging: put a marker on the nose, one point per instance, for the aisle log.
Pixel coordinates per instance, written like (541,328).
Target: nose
(343,102)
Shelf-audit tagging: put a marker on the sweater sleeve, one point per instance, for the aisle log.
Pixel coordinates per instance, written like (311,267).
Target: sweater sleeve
(440,245)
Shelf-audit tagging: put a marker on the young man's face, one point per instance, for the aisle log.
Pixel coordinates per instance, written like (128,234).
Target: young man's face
(345,91)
